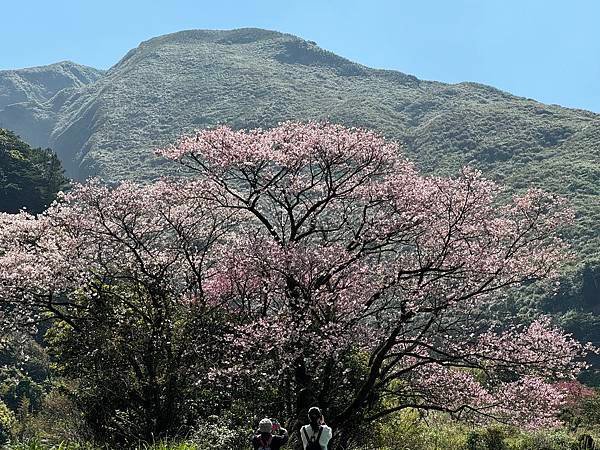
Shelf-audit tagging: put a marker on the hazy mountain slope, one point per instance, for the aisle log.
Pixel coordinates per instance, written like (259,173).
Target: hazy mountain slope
(24,96)
(194,79)
(250,78)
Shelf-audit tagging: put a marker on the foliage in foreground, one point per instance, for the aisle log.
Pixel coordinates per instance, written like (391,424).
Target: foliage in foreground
(403,431)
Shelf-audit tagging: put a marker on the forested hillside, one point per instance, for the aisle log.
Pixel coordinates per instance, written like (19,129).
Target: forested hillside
(29,178)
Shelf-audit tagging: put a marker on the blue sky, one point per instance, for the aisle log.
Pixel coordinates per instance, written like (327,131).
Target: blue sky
(548,50)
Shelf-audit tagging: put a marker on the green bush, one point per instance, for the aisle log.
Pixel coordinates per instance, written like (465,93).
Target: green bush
(7,421)
(543,440)
(474,441)
(408,430)
(590,410)
(488,439)
(38,445)
(161,445)
(220,433)
(59,421)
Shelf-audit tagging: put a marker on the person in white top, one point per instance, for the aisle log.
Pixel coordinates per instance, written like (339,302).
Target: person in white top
(316,435)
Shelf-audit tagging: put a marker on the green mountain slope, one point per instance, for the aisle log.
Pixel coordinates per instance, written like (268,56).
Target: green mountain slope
(251,77)
(42,83)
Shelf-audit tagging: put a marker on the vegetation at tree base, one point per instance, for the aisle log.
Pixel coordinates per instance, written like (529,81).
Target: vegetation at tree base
(29,178)
(405,431)
(6,423)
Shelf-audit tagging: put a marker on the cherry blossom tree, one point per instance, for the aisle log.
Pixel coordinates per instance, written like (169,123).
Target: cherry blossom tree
(359,285)
(306,264)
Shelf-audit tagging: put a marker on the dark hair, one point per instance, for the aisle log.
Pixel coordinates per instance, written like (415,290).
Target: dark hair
(314,411)
(314,414)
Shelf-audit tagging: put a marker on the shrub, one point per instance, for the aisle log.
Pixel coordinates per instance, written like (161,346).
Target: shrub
(408,430)
(59,421)
(218,433)
(7,421)
(489,439)
(543,440)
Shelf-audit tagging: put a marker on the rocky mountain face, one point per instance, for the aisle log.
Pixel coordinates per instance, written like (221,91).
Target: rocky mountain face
(107,124)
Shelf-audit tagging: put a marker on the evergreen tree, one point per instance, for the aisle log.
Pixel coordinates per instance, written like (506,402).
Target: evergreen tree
(29,178)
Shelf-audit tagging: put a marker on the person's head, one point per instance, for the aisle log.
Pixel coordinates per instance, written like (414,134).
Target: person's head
(265,426)
(314,415)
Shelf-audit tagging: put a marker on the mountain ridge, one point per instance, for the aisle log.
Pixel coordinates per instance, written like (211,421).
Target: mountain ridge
(108,124)
(297,54)
(65,74)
